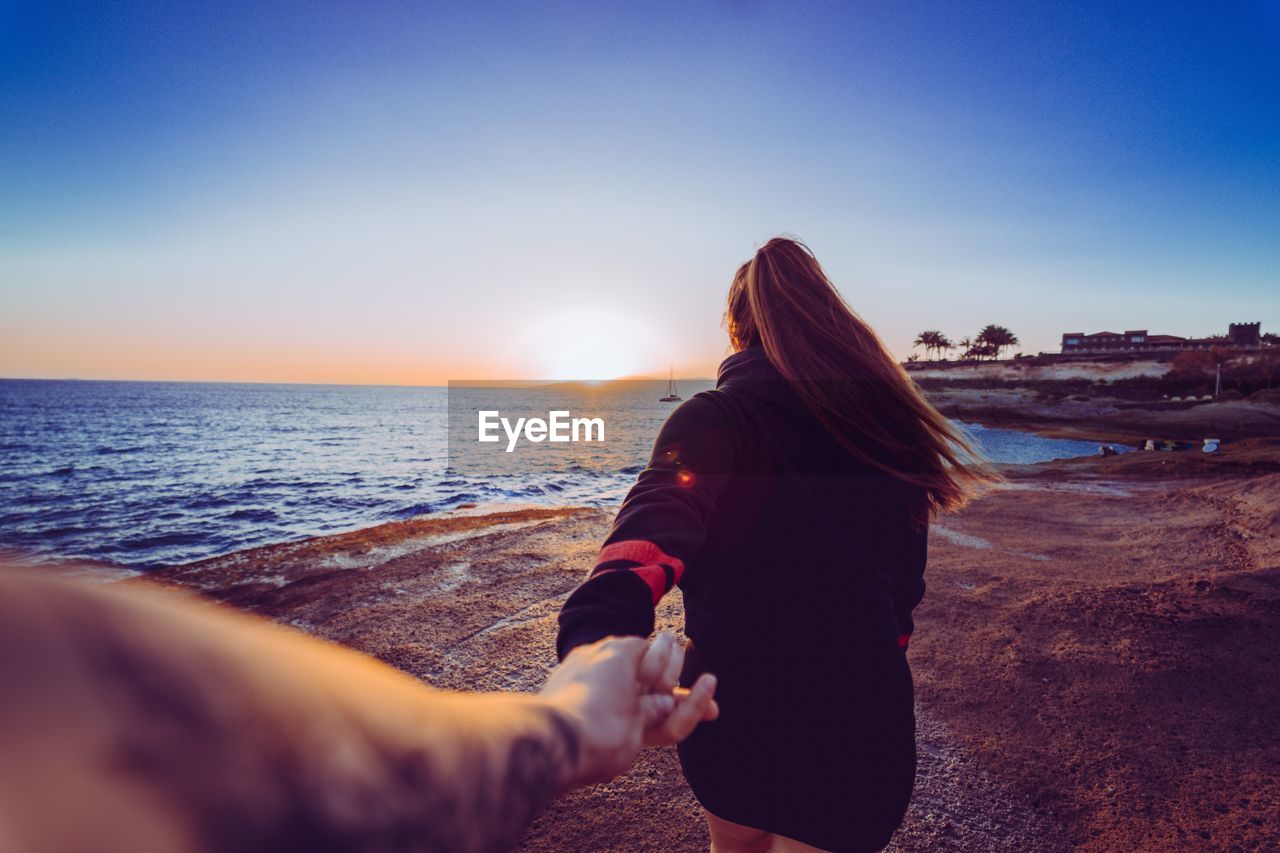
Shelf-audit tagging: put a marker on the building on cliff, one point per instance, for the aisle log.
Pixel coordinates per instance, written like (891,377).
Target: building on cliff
(1239,336)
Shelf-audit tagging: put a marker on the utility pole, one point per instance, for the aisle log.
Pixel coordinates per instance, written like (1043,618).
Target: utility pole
(1217,385)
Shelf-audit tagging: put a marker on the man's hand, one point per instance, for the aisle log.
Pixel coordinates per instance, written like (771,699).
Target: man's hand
(621,692)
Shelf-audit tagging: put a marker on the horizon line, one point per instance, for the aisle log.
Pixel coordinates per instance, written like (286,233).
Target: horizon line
(446,384)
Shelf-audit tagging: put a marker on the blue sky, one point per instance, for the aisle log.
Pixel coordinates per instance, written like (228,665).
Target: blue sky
(413,192)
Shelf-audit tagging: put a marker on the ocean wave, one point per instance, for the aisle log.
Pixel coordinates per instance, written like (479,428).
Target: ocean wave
(162,540)
(252,514)
(266,483)
(412,510)
(209,502)
(59,532)
(105,450)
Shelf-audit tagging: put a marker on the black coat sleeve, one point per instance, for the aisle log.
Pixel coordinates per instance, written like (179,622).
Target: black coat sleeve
(660,527)
(908,582)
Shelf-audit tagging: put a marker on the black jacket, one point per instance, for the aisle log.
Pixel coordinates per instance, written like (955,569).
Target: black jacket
(768,525)
(800,567)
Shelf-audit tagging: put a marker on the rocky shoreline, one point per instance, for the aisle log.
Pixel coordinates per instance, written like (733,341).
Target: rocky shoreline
(1097,414)
(1095,657)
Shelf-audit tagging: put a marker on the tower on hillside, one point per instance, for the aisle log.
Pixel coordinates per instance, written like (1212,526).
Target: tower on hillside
(1245,334)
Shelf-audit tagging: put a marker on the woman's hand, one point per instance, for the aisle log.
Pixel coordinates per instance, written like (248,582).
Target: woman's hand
(660,668)
(692,706)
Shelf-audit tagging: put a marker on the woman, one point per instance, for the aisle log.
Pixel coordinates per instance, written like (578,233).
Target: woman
(790,505)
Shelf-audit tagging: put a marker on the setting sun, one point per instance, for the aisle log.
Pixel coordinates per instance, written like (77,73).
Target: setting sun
(589,343)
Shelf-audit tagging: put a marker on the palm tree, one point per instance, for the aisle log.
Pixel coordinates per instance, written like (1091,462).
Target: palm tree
(981,350)
(932,341)
(966,347)
(944,344)
(996,338)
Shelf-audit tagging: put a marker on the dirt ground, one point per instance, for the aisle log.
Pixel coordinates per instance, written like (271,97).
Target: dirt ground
(1097,659)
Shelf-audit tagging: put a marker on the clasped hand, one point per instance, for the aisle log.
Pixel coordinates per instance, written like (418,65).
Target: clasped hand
(623,692)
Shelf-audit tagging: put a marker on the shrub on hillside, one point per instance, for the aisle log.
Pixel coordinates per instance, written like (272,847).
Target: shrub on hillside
(1246,372)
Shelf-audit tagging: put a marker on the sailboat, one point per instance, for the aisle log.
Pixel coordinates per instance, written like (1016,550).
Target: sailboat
(672,396)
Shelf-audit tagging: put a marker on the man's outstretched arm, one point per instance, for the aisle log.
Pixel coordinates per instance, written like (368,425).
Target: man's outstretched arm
(135,720)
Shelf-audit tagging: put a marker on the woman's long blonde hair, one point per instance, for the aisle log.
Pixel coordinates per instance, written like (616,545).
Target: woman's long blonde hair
(782,301)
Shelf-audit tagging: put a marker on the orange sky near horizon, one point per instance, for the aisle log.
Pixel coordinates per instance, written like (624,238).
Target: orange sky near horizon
(68,355)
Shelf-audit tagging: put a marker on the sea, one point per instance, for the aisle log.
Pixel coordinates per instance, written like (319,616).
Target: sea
(149,474)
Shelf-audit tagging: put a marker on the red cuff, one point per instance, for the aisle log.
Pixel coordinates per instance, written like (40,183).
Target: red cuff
(640,551)
(651,560)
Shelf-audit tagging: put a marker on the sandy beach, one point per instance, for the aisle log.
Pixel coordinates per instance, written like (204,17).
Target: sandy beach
(1095,659)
